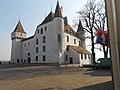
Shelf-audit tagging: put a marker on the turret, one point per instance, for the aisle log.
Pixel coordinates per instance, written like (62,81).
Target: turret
(58,10)
(81,34)
(17,36)
(58,23)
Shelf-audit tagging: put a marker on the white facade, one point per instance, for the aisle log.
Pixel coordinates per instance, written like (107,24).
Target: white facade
(49,44)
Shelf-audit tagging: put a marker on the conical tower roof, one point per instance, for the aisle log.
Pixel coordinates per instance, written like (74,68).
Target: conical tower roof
(58,10)
(48,18)
(80,27)
(19,28)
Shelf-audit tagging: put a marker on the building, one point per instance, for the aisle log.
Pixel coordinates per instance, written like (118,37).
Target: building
(54,41)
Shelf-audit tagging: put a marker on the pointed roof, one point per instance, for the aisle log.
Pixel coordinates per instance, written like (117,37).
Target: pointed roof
(80,27)
(48,18)
(19,28)
(58,10)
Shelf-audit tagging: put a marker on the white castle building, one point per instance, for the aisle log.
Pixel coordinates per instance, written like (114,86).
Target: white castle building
(54,41)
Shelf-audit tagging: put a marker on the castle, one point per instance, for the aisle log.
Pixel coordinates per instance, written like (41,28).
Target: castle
(54,41)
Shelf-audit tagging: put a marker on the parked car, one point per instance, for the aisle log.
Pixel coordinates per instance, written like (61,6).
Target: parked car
(102,63)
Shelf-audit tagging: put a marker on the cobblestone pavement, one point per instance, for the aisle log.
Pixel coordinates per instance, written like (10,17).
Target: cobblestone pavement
(38,77)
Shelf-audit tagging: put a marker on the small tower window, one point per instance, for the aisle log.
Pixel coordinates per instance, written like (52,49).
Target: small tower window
(44,39)
(45,28)
(37,41)
(38,30)
(28,43)
(25,45)
(36,49)
(41,30)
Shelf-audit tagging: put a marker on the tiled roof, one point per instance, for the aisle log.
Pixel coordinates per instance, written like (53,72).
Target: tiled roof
(80,49)
(28,38)
(19,28)
(69,30)
(48,18)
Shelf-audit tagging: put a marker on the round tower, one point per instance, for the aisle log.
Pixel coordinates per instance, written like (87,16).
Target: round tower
(17,36)
(58,23)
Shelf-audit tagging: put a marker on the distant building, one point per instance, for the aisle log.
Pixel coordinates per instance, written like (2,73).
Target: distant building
(54,41)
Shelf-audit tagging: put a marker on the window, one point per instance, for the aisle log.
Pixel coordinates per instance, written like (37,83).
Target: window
(44,58)
(28,43)
(74,41)
(67,38)
(37,41)
(59,37)
(28,54)
(21,60)
(79,43)
(36,58)
(85,56)
(25,45)
(18,61)
(41,30)
(88,56)
(67,48)
(45,28)
(81,56)
(44,48)
(66,57)
(36,49)
(44,39)
(38,31)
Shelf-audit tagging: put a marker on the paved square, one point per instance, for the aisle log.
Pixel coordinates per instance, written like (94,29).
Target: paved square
(53,78)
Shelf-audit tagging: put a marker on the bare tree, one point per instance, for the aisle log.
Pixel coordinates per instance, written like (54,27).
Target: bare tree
(93,17)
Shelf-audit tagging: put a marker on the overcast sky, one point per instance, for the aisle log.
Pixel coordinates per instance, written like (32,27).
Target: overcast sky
(31,13)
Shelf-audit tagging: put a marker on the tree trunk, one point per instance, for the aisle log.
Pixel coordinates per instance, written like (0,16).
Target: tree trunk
(105,51)
(92,49)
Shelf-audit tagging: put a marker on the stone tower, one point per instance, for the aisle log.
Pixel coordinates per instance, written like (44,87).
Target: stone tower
(59,31)
(17,36)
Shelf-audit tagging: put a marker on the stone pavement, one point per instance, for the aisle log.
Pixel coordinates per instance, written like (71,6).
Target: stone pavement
(42,77)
